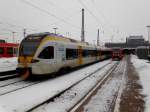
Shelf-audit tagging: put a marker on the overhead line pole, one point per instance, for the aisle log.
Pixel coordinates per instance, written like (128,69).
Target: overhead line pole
(55,30)
(13,36)
(148,29)
(98,37)
(82,28)
(24,33)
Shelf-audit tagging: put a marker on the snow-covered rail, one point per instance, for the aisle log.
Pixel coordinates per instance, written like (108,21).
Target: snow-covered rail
(5,89)
(77,107)
(46,91)
(98,98)
(67,89)
(6,77)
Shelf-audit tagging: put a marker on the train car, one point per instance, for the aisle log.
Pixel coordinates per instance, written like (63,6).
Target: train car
(105,53)
(143,52)
(117,54)
(8,50)
(46,53)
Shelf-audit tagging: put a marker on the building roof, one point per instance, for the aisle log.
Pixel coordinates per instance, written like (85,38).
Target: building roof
(136,37)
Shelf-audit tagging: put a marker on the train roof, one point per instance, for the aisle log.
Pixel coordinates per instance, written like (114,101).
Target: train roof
(106,49)
(8,44)
(56,37)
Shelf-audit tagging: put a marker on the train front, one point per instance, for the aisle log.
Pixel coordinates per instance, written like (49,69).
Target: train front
(27,51)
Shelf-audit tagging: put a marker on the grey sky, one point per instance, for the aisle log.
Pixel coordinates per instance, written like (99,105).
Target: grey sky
(119,18)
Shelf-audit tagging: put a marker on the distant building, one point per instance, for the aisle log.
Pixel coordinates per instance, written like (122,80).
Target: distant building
(135,40)
(131,42)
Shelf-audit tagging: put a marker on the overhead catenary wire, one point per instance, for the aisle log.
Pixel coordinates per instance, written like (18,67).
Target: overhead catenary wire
(95,17)
(104,17)
(48,13)
(53,4)
(17,26)
(90,12)
(52,15)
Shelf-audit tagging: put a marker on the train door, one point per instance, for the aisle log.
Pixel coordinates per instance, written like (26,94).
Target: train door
(80,58)
(60,55)
(47,59)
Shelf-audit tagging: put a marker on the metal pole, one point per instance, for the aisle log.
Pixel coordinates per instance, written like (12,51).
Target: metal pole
(82,28)
(13,36)
(148,29)
(98,37)
(24,33)
(55,29)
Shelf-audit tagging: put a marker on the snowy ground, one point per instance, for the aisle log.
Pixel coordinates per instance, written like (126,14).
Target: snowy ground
(8,64)
(143,69)
(24,99)
(104,98)
(71,97)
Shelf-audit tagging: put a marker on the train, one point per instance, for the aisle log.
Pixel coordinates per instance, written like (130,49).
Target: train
(117,53)
(42,54)
(8,50)
(143,52)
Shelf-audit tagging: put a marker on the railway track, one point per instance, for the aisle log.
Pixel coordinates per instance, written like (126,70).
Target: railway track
(33,109)
(21,84)
(106,78)
(16,86)
(114,103)
(9,81)
(8,76)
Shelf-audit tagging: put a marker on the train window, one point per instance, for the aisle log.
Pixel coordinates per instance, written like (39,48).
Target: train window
(10,50)
(47,53)
(29,48)
(1,50)
(71,53)
(86,53)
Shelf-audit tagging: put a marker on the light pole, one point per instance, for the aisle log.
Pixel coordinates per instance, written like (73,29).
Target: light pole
(13,36)
(55,29)
(148,29)
(24,32)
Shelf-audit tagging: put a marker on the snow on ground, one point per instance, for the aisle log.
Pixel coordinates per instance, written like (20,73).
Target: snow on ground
(71,97)
(143,69)
(102,101)
(8,64)
(24,99)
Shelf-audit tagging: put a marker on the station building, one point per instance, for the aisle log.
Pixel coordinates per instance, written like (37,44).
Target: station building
(132,42)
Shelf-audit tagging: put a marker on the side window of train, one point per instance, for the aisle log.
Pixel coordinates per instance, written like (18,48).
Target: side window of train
(10,50)
(1,50)
(85,53)
(47,53)
(71,53)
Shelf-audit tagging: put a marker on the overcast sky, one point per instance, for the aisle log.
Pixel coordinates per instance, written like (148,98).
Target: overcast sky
(116,19)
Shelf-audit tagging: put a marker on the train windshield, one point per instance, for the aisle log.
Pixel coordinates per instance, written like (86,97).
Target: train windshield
(28,48)
(29,45)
